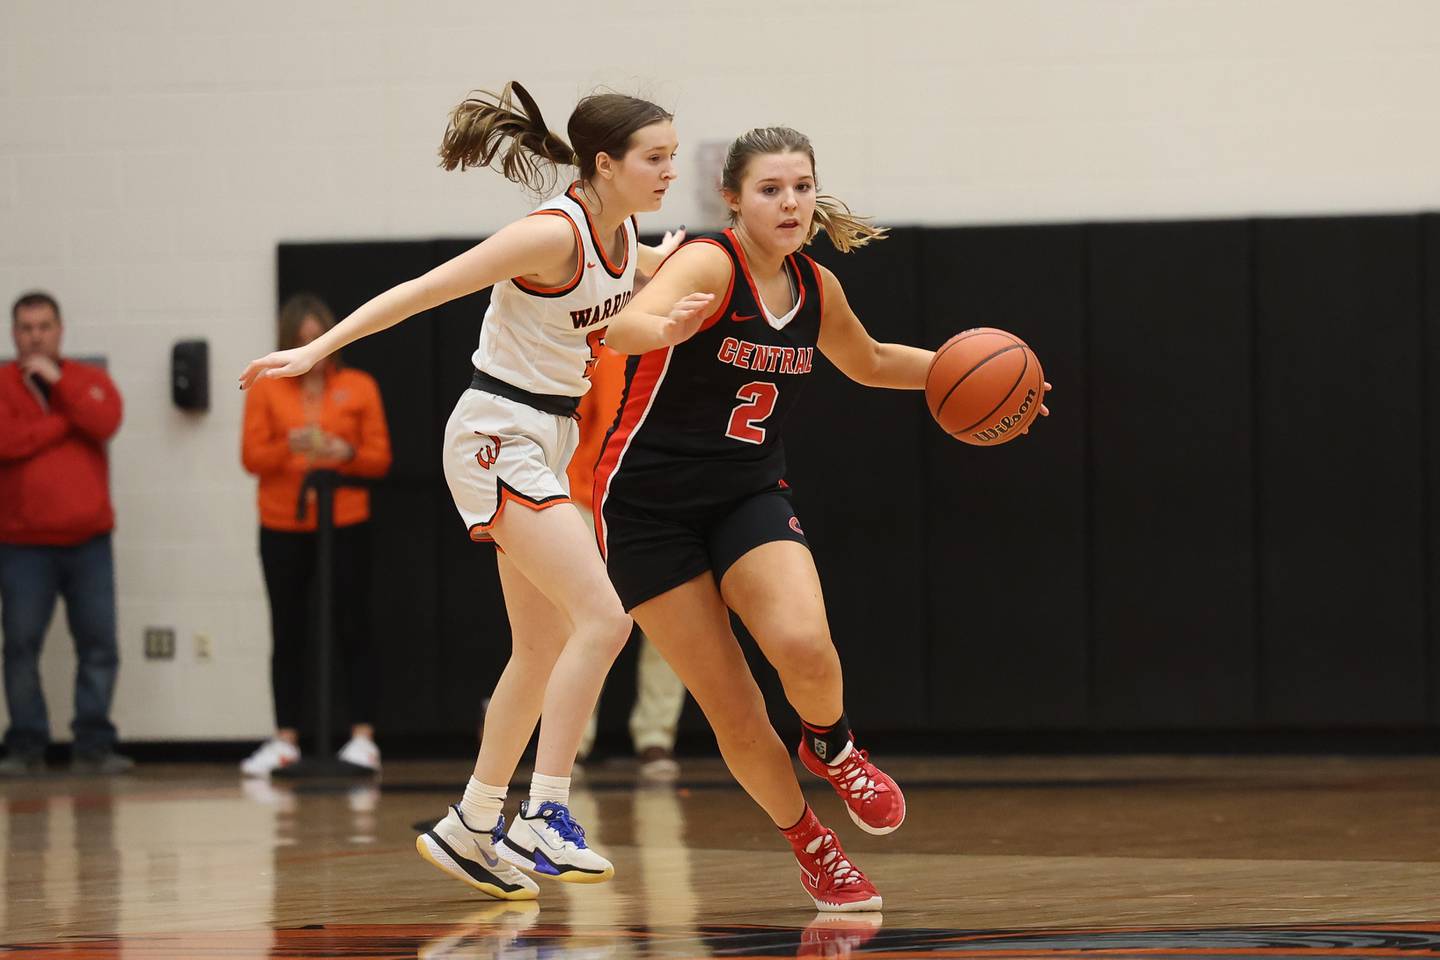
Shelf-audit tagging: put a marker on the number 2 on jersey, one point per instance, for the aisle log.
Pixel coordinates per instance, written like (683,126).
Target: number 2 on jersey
(759,397)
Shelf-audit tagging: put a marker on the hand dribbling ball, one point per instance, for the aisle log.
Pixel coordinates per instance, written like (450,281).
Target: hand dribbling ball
(984,386)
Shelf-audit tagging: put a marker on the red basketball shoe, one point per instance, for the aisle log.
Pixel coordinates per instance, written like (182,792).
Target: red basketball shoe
(873,800)
(833,882)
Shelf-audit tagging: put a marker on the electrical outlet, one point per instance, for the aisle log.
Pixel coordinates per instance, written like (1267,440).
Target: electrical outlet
(203,649)
(159,643)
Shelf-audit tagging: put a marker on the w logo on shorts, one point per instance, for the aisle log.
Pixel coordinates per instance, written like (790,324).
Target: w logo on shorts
(489,452)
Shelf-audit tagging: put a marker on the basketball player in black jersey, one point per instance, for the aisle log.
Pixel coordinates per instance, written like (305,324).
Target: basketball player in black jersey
(692,507)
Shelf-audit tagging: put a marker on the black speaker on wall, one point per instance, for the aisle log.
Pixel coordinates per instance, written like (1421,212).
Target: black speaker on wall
(190,375)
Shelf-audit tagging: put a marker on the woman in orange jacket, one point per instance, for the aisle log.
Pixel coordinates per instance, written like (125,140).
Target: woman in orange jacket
(330,418)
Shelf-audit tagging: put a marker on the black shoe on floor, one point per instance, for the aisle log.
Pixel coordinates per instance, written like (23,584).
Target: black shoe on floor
(22,765)
(105,762)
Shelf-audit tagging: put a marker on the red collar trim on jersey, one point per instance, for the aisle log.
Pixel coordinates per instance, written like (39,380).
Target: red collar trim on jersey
(754,290)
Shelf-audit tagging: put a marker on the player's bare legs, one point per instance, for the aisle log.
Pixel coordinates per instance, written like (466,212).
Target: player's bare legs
(690,626)
(555,552)
(538,631)
(466,842)
(775,590)
(567,627)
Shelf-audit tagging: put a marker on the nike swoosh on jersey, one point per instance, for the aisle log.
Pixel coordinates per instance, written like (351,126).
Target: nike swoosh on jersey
(741,318)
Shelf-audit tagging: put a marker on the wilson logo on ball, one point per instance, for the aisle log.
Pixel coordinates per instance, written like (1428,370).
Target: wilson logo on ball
(984,386)
(1009,423)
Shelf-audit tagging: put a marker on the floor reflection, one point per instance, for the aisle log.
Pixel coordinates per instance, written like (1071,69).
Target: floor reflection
(84,856)
(488,933)
(320,827)
(192,862)
(515,932)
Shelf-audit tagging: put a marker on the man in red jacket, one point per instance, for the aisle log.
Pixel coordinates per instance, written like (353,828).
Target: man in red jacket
(55,521)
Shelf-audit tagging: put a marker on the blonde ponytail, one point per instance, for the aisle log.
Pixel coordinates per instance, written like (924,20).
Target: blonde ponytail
(847,231)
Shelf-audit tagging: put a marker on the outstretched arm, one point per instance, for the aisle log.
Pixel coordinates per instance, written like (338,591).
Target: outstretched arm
(676,303)
(845,342)
(537,247)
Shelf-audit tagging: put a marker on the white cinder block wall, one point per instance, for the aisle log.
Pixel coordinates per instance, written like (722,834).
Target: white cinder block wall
(153,152)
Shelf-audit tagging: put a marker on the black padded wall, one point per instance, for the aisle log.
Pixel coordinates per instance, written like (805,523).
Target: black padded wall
(1173,552)
(1004,573)
(1229,523)
(1338,418)
(1430,423)
(472,625)
(855,464)
(346,276)
(404,529)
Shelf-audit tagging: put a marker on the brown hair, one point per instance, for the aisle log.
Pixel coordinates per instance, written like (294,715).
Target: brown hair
(35,298)
(847,231)
(293,313)
(600,123)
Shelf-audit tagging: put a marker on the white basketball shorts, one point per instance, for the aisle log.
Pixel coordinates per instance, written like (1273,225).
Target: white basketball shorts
(499,451)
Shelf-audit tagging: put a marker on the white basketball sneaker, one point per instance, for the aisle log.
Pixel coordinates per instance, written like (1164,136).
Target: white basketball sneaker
(269,757)
(550,844)
(471,857)
(362,752)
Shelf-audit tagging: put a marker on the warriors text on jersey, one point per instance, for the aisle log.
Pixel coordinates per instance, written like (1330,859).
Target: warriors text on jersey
(543,339)
(700,421)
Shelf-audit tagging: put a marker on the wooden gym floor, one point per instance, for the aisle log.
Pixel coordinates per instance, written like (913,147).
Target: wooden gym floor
(1012,857)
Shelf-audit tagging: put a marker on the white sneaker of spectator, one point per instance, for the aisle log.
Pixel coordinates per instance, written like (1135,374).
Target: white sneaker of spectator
(271,756)
(362,752)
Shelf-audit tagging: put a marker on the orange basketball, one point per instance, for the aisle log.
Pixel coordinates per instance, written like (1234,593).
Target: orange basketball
(984,386)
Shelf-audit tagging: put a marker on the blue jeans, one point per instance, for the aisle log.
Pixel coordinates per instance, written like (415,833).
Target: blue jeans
(30,580)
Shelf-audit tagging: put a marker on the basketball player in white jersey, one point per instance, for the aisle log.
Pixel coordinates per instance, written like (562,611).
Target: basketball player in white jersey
(558,275)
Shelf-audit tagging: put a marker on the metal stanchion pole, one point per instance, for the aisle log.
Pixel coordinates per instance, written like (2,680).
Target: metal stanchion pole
(321,763)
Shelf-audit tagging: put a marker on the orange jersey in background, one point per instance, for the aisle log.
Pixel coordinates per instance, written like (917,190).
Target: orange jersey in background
(349,408)
(597,413)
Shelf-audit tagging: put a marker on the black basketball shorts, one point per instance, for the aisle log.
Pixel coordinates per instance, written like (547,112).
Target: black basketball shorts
(649,551)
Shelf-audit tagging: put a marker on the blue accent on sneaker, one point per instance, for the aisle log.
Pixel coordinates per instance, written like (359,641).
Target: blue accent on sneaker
(544,865)
(557,815)
(496,833)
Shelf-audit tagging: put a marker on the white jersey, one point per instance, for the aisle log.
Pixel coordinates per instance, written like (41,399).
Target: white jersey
(544,339)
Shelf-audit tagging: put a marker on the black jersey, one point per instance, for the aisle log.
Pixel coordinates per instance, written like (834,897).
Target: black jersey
(699,423)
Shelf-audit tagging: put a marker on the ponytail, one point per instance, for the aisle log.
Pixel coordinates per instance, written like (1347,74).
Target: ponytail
(847,231)
(486,127)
